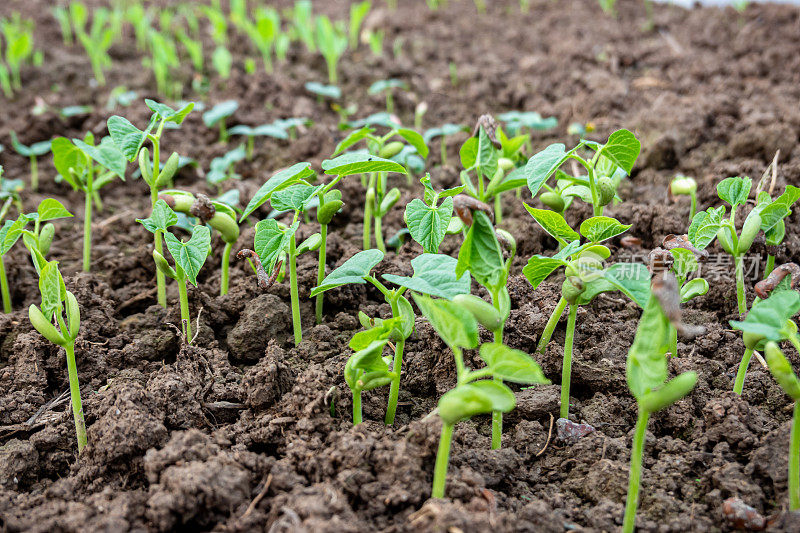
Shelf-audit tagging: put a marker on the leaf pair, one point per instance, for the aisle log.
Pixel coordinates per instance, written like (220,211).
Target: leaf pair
(595,229)
(129,139)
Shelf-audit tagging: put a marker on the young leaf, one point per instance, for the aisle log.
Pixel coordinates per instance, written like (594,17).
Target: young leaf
(52,209)
(354,270)
(512,365)
(352,139)
(734,190)
(781,369)
(219,112)
(369,359)
(128,138)
(11,232)
(67,156)
(554,224)
(359,163)
(107,154)
(475,398)
(191,255)
(768,317)
(434,275)
(414,139)
(599,229)
(632,279)
(280,180)
(295,197)
(487,155)
(480,253)
(428,224)
(704,227)
(52,289)
(271,239)
(160,219)
(166,113)
(455,325)
(542,165)
(539,268)
(623,149)
(647,364)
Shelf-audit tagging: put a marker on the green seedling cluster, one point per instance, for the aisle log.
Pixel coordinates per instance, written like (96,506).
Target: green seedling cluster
(16,50)
(32,152)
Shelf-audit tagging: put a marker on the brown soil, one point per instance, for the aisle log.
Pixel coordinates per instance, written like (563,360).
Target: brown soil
(185,438)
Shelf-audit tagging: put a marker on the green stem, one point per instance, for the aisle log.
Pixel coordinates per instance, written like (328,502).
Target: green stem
(551,325)
(4,287)
(184,302)
(251,142)
(741,299)
(566,368)
(598,209)
(794,460)
(323,231)
(461,374)
(87,225)
(498,210)
(443,151)
(389,102)
(770,266)
(673,341)
(298,331)
(442,459)
(394,389)
(738,385)
(161,280)
(497,416)
(34,174)
(357,418)
(629,522)
(379,234)
(368,210)
(693,210)
(226,263)
(75,396)
(223,131)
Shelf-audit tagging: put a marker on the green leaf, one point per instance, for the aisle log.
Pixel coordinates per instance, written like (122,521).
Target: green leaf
(369,359)
(542,165)
(270,240)
(669,393)
(352,139)
(160,219)
(599,229)
(768,317)
(734,190)
(647,364)
(107,154)
(513,180)
(166,113)
(381,331)
(781,369)
(295,197)
(704,227)
(11,232)
(540,267)
(632,279)
(382,85)
(693,288)
(553,223)
(191,255)
(414,139)
(67,156)
(279,180)
(354,270)
(469,152)
(480,253)
(684,262)
(128,138)
(444,130)
(434,275)
(52,209)
(359,163)
(455,325)
(623,149)
(220,112)
(427,224)
(470,399)
(487,155)
(34,150)
(52,289)
(512,365)
(328,91)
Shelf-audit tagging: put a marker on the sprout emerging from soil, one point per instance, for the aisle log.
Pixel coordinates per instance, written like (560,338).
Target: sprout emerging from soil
(473,395)
(58,319)
(685,186)
(647,375)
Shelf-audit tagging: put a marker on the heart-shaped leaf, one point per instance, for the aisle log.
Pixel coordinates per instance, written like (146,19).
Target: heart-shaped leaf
(107,154)
(191,255)
(599,229)
(279,180)
(428,224)
(623,148)
(704,227)
(160,219)
(295,197)
(434,275)
(540,267)
(166,113)
(354,270)
(51,209)
(554,224)
(270,240)
(414,139)
(480,253)
(128,138)
(734,190)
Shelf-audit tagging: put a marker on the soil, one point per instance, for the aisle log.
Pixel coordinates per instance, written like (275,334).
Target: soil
(243,431)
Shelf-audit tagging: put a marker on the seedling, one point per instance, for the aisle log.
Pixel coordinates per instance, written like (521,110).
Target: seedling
(217,115)
(262,31)
(434,275)
(610,162)
(472,395)
(265,130)
(189,256)
(130,140)
(18,40)
(387,87)
(765,216)
(442,132)
(428,220)
(223,168)
(685,186)
(358,12)
(647,375)
(32,152)
(292,124)
(768,320)
(332,42)
(770,211)
(782,371)
(75,162)
(526,122)
(322,91)
(379,199)
(375,40)
(220,216)
(302,20)
(586,276)
(96,41)
(60,306)
(677,255)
